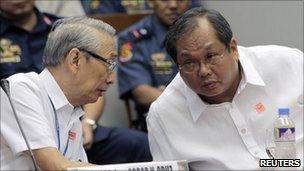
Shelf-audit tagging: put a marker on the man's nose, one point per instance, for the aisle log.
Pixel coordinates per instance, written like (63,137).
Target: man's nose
(204,69)
(111,78)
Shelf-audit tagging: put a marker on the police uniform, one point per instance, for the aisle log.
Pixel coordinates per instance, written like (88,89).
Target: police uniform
(102,6)
(143,59)
(21,50)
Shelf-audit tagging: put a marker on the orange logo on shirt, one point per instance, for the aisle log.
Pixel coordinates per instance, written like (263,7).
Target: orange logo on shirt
(259,108)
(72,135)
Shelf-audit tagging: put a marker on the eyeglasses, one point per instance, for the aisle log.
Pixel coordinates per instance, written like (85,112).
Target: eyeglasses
(111,64)
(210,59)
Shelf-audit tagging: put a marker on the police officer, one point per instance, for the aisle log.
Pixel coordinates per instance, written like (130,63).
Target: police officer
(144,67)
(23,33)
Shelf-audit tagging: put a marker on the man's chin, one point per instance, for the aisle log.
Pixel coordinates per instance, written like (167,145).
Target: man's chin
(91,100)
(95,99)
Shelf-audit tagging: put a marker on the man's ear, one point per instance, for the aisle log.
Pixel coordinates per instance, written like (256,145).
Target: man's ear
(73,59)
(233,48)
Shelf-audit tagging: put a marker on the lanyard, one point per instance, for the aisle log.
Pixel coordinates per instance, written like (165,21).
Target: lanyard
(58,130)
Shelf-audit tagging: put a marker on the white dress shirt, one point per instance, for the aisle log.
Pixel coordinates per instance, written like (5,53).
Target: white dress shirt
(230,135)
(32,95)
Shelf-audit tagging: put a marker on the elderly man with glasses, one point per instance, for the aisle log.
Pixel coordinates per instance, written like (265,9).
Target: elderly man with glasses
(23,35)
(110,144)
(216,111)
(79,60)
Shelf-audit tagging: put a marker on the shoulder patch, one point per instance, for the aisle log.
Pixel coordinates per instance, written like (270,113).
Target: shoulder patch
(125,53)
(135,35)
(139,33)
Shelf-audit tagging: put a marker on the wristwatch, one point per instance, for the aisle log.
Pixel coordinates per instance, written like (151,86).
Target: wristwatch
(91,122)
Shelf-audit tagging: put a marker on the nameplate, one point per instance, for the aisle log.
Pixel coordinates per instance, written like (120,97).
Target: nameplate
(180,165)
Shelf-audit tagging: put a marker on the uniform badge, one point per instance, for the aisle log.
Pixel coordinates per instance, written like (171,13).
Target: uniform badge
(95,4)
(9,53)
(158,56)
(160,64)
(126,52)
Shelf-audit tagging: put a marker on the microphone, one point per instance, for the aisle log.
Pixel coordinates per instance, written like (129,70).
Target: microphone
(5,86)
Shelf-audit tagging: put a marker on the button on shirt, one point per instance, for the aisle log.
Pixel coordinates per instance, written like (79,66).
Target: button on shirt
(230,135)
(21,50)
(31,94)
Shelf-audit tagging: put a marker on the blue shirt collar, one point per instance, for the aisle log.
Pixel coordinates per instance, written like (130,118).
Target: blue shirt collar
(159,29)
(40,26)
(43,22)
(4,24)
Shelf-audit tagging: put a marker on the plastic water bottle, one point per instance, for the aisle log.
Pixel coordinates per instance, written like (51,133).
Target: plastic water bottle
(284,134)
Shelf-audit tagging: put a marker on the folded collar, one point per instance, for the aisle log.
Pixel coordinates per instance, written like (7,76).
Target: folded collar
(159,30)
(53,90)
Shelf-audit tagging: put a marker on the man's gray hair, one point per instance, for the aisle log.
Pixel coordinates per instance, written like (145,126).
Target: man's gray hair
(74,32)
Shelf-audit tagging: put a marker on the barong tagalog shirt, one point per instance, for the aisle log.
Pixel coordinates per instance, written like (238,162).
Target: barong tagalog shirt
(230,135)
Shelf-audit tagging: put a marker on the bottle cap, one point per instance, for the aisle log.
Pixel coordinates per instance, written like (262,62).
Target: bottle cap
(283,111)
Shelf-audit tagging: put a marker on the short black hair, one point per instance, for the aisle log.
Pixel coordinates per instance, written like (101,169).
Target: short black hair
(188,21)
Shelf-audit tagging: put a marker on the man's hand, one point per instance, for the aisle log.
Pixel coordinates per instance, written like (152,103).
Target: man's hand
(49,158)
(146,94)
(87,135)
(92,114)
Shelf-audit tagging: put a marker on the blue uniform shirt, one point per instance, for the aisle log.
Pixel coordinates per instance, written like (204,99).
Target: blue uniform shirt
(143,58)
(20,50)
(102,6)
